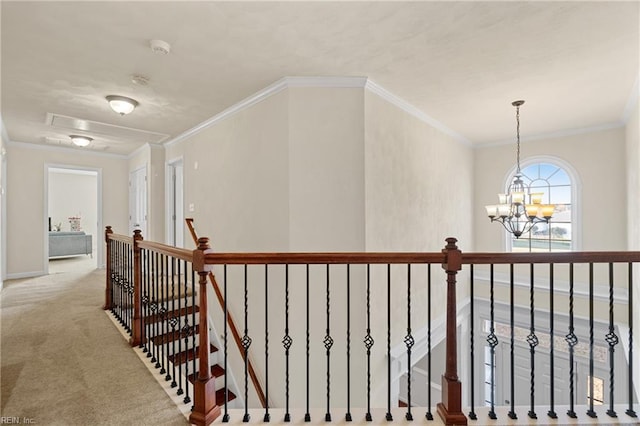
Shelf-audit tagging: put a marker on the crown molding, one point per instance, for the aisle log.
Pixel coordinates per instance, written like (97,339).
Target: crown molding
(632,102)
(257,97)
(412,110)
(319,82)
(40,147)
(552,135)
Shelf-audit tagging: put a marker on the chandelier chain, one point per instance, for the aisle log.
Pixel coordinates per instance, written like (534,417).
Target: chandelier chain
(518,139)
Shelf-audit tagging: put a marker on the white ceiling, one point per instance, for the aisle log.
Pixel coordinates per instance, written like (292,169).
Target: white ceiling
(461,63)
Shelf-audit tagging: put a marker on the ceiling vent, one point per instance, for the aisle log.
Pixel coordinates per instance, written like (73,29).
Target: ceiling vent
(107,131)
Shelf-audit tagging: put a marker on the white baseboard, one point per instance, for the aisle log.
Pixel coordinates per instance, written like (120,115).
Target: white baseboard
(20,275)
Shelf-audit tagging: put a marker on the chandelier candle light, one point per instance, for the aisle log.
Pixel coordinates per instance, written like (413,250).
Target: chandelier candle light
(519,210)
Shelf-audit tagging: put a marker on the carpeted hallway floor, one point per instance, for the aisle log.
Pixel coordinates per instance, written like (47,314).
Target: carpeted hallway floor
(63,361)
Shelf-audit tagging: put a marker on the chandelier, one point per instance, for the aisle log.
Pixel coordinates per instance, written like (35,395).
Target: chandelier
(518,210)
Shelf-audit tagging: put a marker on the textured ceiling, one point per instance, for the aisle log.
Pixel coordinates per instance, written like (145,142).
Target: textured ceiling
(462,63)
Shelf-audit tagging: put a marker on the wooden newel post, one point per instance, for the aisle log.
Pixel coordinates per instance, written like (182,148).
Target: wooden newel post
(205,410)
(137,333)
(450,409)
(108,301)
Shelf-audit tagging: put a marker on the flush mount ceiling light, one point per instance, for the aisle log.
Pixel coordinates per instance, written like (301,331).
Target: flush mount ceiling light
(121,104)
(79,140)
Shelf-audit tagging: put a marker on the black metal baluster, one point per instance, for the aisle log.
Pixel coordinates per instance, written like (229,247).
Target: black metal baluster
(267,416)
(145,301)
(493,342)
(158,325)
(348,415)
(167,324)
(590,411)
(163,314)
(174,318)
(328,342)
(388,416)
(149,319)
(472,414)
(572,341)
(429,415)
(512,413)
(286,341)
(246,343)
(409,342)
(186,330)
(307,415)
(552,412)
(194,358)
(225,418)
(630,412)
(532,340)
(180,390)
(612,340)
(154,306)
(130,289)
(368,343)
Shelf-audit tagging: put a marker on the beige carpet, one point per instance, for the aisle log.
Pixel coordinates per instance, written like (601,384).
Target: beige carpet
(63,361)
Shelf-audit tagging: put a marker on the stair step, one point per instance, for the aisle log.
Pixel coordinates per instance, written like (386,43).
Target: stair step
(220,397)
(171,336)
(172,314)
(189,355)
(216,371)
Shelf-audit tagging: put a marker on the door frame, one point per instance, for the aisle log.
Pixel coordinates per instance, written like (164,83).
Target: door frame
(171,197)
(100,261)
(132,198)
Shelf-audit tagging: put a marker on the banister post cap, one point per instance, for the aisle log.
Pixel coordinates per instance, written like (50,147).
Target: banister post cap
(203,243)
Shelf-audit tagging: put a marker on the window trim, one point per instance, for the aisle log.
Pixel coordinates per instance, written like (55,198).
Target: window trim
(576,197)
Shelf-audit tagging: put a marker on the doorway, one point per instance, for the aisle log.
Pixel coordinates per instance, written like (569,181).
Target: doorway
(72,218)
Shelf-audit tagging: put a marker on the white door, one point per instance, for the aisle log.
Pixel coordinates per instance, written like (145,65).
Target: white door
(138,201)
(175,202)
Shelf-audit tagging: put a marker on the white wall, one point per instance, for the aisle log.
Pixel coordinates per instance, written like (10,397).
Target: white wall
(3,203)
(26,219)
(152,157)
(324,169)
(599,160)
(74,194)
(418,191)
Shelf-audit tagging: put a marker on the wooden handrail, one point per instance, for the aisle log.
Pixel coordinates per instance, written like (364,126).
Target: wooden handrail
(232,325)
(178,253)
(118,237)
(321,258)
(562,257)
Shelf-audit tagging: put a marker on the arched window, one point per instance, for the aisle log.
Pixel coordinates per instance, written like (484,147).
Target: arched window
(558,184)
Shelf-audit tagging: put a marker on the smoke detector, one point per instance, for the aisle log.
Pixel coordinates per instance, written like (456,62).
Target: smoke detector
(160,46)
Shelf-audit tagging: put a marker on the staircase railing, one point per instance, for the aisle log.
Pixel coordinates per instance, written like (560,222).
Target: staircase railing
(232,325)
(347,317)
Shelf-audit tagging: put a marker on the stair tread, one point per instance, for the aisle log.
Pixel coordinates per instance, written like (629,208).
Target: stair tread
(189,355)
(150,319)
(220,397)
(216,371)
(171,336)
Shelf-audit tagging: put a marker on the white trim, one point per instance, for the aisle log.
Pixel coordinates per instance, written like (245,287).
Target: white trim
(632,102)
(320,82)
(412,110)
(169,193)
(4,134)
(552,135)
(20,275)
(64,149)
(576,195)
(99,225)
(257,97)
